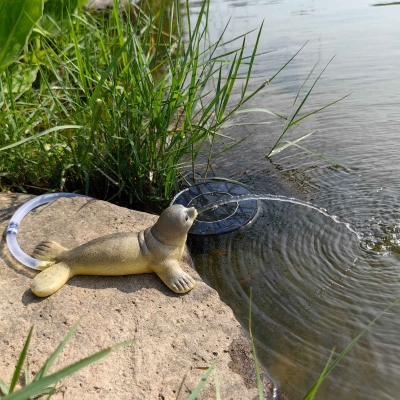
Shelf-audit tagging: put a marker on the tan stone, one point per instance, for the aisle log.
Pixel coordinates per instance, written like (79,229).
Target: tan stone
(105,4)
(176,336)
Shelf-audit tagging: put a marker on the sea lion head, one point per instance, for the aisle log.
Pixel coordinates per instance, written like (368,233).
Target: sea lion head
(174,223)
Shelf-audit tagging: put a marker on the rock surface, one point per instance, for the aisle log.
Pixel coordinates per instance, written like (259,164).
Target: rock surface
(176,336)
(104,4)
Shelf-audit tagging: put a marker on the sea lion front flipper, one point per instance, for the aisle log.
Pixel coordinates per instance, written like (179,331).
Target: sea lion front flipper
(174,277)
(51,279)
(48,251)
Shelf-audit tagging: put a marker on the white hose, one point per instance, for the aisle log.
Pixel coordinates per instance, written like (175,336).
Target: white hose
(12,228)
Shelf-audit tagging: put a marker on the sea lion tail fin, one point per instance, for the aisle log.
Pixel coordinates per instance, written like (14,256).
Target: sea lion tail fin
(48,251)
(51,279)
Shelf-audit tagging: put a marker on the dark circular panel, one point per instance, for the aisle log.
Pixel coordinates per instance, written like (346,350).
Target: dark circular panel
(222,219)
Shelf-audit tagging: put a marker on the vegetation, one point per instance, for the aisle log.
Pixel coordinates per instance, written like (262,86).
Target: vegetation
(40,384)
(113,105)
(118,105)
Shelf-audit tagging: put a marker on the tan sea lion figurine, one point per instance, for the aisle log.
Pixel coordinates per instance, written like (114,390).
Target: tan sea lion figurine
(157,249)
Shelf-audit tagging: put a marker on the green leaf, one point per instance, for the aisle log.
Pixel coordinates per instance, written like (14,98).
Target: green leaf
(263,110)
(3,387)
(288,144)
(20,362)
(327,370)
(37,386)
(17,19)
(216,383)
(316,155)
(311,394)
(38,135)
(22,77)
(200,385)
(253,351)
(56,14)
(43,371)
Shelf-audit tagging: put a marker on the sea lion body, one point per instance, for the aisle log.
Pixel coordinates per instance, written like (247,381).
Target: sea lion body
(157,249)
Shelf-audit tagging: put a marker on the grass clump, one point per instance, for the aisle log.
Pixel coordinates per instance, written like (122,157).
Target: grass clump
(120,105)
(116,106)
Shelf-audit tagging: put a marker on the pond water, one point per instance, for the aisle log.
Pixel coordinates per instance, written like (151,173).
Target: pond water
(315,284)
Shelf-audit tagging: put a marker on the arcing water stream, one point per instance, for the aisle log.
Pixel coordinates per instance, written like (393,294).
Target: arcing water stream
(284,199)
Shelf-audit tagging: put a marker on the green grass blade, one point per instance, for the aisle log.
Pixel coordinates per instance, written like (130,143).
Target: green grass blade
(316,154)
(120,32)
(287,63)
(245,124)
(43,371)
(50,391)
(313,391)
(160,26)
(264,110)
(310,90)
(3,387)
(229,147)
(291,121)
(316,111)
(181,385)
(20,362)
(216,383)
(26,373)
(79,59)
(253,351)
(350,346)
(288,144)
(304,83)
(200,385)
(106,73)
(38,135)
(37,386)
(253,55)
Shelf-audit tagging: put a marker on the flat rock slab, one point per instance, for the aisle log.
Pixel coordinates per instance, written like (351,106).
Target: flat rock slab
(176,336)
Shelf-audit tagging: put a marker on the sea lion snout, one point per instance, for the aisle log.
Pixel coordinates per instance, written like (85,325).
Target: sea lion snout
(175,222)
(192,213)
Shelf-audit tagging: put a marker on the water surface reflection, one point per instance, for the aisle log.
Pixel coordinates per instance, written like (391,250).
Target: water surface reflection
(315,285)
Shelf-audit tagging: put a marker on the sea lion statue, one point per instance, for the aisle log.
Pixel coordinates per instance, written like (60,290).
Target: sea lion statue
(156,249)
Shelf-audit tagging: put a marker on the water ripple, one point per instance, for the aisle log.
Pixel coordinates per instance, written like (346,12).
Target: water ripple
(314,288)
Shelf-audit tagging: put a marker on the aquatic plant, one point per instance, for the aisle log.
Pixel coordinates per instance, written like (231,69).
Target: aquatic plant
(293,118)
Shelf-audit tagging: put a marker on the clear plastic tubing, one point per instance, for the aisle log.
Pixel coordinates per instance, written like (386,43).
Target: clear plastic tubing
(12,228)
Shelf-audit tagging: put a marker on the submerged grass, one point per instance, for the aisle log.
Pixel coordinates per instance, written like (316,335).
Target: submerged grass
(331,365)
(253,351)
